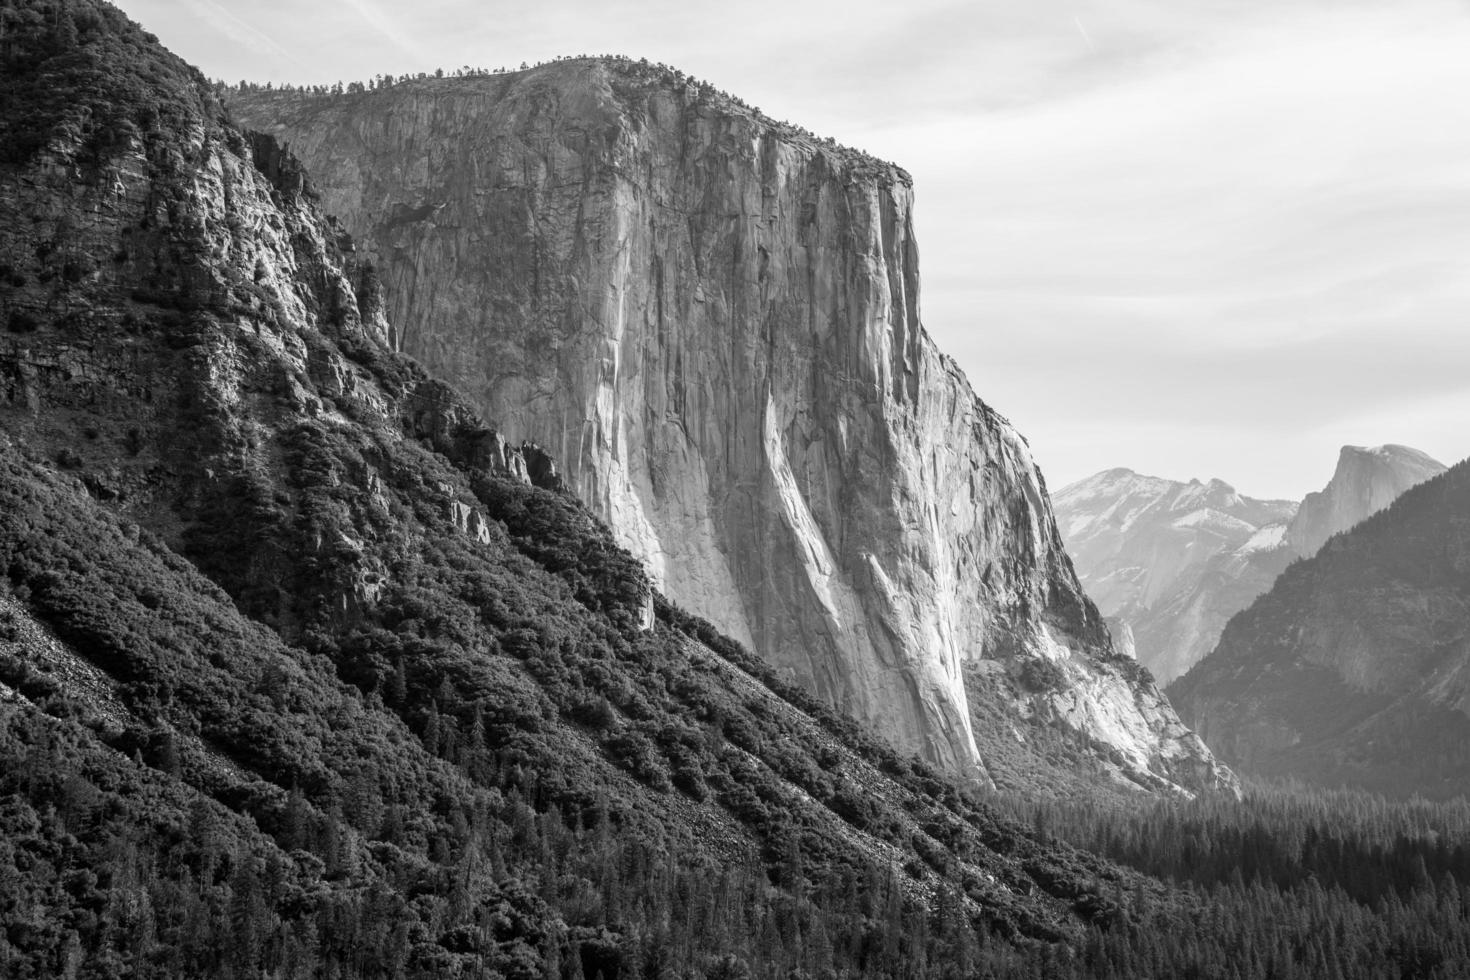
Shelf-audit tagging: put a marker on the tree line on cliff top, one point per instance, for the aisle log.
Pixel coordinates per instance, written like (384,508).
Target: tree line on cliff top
(640,70)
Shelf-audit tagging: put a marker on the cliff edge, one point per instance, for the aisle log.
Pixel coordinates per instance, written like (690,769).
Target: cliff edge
(713,320)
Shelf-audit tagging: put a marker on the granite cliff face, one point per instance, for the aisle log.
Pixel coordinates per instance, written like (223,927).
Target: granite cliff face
(1365,481)
(1176,560)
(282,615)
(1355,667)
(713,321)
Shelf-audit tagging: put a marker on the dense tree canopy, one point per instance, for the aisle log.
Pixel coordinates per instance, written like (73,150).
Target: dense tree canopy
(294,683)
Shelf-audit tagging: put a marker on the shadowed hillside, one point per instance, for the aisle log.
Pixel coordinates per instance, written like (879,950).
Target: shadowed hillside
(304,667)
(1352,668)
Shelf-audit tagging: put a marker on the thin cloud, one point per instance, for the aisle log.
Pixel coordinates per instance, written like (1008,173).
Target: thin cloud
(1271,232)
(243,31)
(384,25)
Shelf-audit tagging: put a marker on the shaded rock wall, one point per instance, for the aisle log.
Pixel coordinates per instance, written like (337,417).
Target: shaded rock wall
(163,320)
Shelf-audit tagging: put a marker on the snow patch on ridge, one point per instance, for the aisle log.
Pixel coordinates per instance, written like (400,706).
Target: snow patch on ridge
(1219,522)
(1268,538)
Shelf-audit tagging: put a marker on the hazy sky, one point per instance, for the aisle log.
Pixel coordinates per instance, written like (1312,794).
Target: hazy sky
(1194,237)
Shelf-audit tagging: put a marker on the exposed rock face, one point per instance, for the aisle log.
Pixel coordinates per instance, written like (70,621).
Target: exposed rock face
(1365,482)
(1176,560)
(216,242)
(1173,561)
(1355,666)
(190,382)
(1123,639)
(713,322)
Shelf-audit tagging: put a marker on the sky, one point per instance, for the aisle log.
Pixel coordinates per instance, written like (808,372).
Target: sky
(1197,238)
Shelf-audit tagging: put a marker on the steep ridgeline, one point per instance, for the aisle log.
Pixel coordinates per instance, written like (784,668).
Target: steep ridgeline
(305,672)
(1355,667)
(713,322)
(1174,561)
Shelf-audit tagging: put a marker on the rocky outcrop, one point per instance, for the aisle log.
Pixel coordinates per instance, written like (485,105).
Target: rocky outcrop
(1353,668)
(712,321)
(1122,634)
(215,243)
(1365,481)
(398,654)
(1176,560)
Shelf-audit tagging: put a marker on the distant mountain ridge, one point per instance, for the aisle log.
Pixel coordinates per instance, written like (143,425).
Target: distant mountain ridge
(1172,560)
(1175,560)
(1354,668)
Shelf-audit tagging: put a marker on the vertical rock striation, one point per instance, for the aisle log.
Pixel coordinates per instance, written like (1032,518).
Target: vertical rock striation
(712,320)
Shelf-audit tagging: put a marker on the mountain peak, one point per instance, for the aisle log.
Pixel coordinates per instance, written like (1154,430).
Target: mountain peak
(1404,459)
(1367,479)
(1175,560)
(1140,542)
(1340,673)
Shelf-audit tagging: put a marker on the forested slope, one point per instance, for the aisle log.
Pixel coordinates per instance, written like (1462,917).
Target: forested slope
(1352,669)
(307,670)
(304,672)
